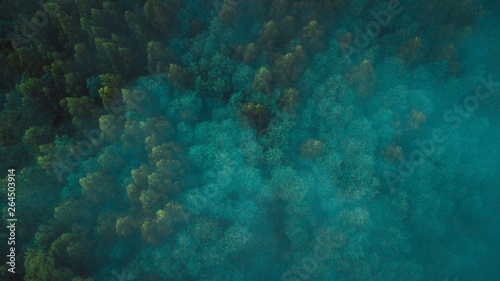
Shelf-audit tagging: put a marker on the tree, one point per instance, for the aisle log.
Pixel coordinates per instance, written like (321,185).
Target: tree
(41,266)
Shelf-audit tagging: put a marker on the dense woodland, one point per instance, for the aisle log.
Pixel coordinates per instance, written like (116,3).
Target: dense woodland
(199,140)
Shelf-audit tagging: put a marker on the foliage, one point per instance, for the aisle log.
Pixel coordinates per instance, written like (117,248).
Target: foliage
(253,141)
